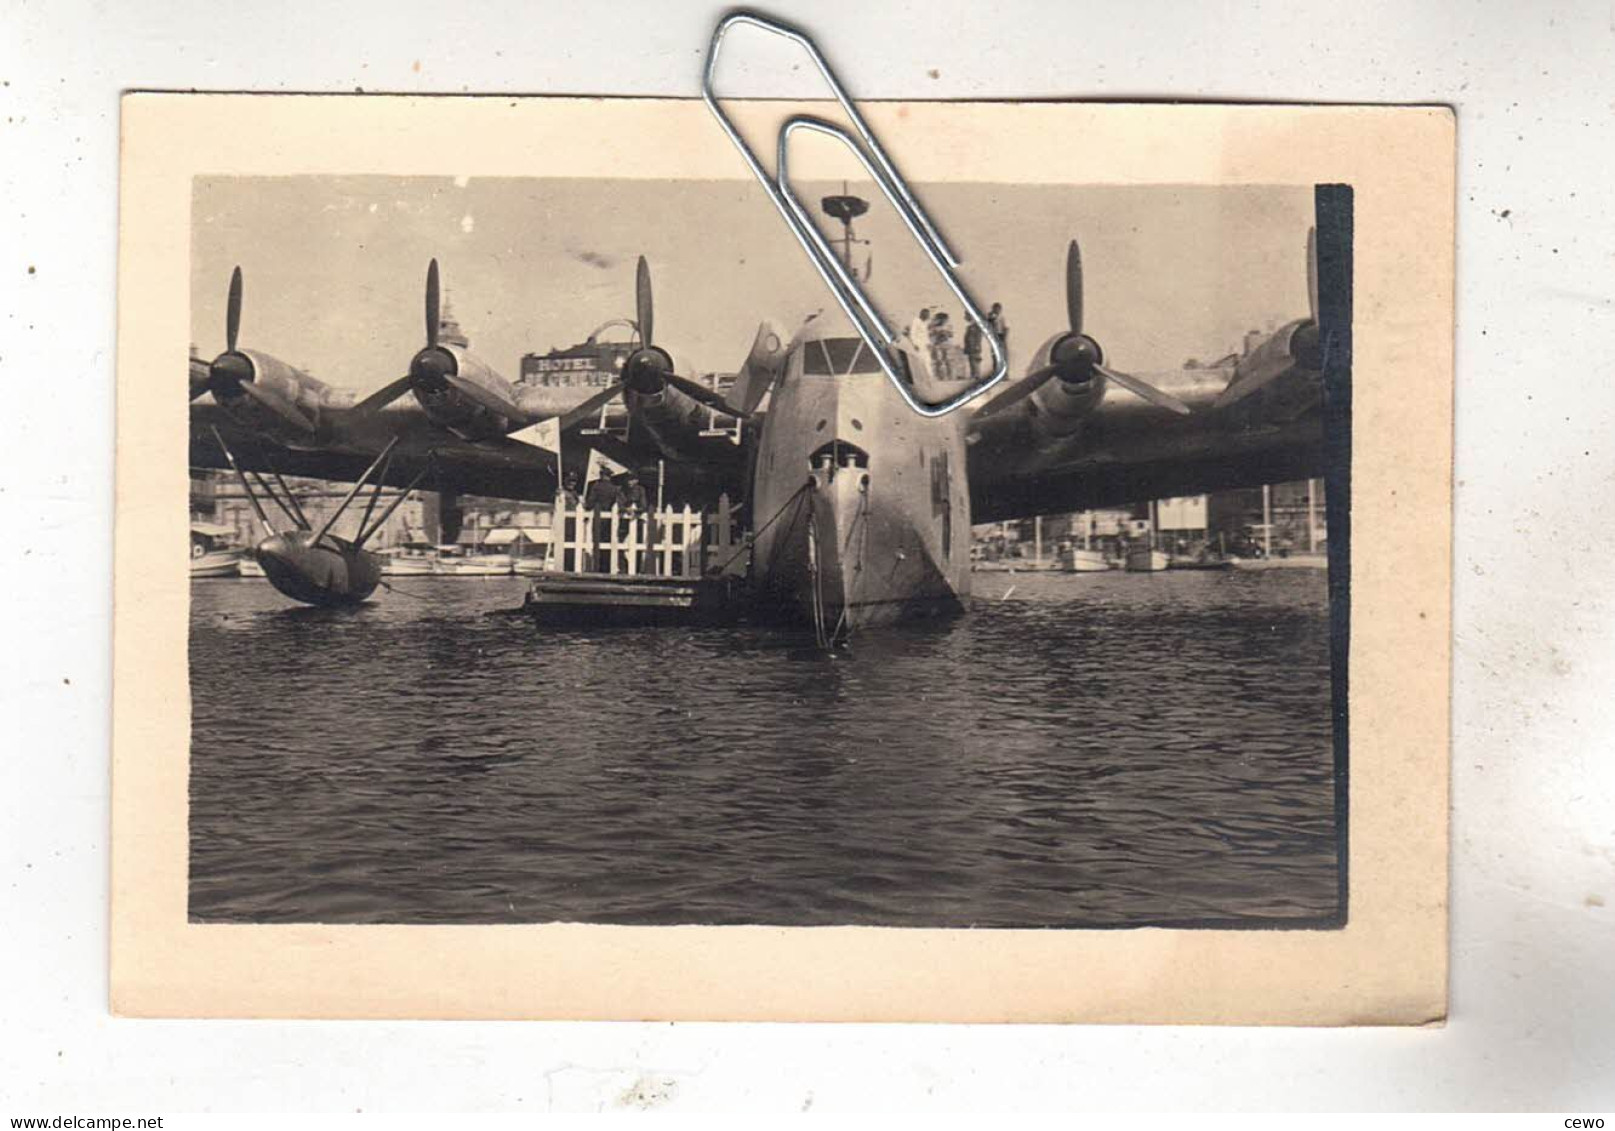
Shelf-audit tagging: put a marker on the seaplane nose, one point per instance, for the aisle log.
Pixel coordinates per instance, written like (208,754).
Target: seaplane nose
(432,367)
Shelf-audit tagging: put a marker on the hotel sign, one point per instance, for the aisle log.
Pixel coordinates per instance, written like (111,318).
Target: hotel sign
(596,370)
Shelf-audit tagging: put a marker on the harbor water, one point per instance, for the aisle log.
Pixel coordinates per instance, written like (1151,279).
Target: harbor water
(1098,750)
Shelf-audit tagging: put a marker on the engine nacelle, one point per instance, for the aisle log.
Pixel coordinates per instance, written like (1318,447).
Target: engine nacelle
(445,380)
(645,370)
(1060,406)
(277,387)
(674,420)
(1294,346)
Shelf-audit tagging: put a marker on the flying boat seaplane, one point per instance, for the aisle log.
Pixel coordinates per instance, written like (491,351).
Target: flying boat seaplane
(861,508)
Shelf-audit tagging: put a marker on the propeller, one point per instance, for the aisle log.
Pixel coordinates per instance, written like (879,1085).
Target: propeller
(589,407)
(1073,287)
(386,395)
(648,368)
(1076,357)
(1312,273)
(699,392)
(232,312)
(233,373)
(435,366)
(1303,343)
(651,364)
(199,374)
(644,307)
(280,406)
(434,297)
(392,390)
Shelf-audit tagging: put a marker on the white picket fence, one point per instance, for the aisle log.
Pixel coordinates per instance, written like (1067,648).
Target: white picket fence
(660,543)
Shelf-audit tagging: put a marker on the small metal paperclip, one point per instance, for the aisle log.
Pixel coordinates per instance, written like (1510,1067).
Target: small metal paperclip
(844,286)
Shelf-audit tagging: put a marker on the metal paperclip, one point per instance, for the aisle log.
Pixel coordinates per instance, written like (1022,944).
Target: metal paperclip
(846,289)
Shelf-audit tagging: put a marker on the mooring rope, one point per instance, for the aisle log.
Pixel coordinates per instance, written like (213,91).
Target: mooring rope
(826,639)
(862,519)
(391,588)
(751,538)
(816,579)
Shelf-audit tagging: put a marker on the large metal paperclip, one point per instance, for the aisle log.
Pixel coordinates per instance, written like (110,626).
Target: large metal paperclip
(843,285)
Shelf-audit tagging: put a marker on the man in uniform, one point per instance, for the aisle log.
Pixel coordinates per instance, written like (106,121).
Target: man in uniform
(631,507)
(631,495)
(601,496)
(566,517)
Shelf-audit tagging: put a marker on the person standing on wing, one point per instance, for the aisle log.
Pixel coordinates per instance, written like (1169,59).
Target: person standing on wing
(973,341)
(995,319)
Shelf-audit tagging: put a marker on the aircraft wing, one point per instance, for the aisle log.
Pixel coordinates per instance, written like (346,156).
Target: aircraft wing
(697,477)
(1064,448)
(345,447)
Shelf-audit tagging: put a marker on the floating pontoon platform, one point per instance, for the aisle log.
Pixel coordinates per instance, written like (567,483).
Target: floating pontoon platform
(594,599)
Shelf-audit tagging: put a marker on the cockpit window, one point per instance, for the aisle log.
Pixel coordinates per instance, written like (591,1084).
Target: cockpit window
(831,357)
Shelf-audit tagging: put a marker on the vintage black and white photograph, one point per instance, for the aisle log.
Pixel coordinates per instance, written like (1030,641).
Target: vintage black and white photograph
(561,552)
(950,545)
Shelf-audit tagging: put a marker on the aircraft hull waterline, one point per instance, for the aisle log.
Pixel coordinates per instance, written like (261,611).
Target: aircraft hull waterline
(872,526)
(330,574)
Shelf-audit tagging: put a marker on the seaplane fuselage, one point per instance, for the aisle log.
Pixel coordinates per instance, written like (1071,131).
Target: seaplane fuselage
(865,501)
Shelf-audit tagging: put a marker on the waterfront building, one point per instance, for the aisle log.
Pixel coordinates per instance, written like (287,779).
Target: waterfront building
(217,498)
(1281,519)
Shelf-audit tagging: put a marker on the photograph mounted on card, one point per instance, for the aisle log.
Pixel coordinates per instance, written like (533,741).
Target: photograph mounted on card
(618,601)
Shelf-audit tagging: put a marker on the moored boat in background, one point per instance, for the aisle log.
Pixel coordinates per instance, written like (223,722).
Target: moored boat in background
(212,551)
(1145,559)
(1078,560)
(1290,561)
(408,560)
(1207,559)
(456,561)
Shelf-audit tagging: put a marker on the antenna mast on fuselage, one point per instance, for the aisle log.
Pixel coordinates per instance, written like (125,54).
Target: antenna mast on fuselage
(846,208)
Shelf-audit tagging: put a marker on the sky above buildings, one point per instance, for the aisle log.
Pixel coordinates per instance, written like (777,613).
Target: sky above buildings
(335,266)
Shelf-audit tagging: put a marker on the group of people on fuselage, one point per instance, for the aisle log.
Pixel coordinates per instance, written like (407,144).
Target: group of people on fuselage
(930,337)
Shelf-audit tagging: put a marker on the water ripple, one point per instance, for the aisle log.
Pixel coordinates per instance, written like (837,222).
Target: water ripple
(1095,750)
